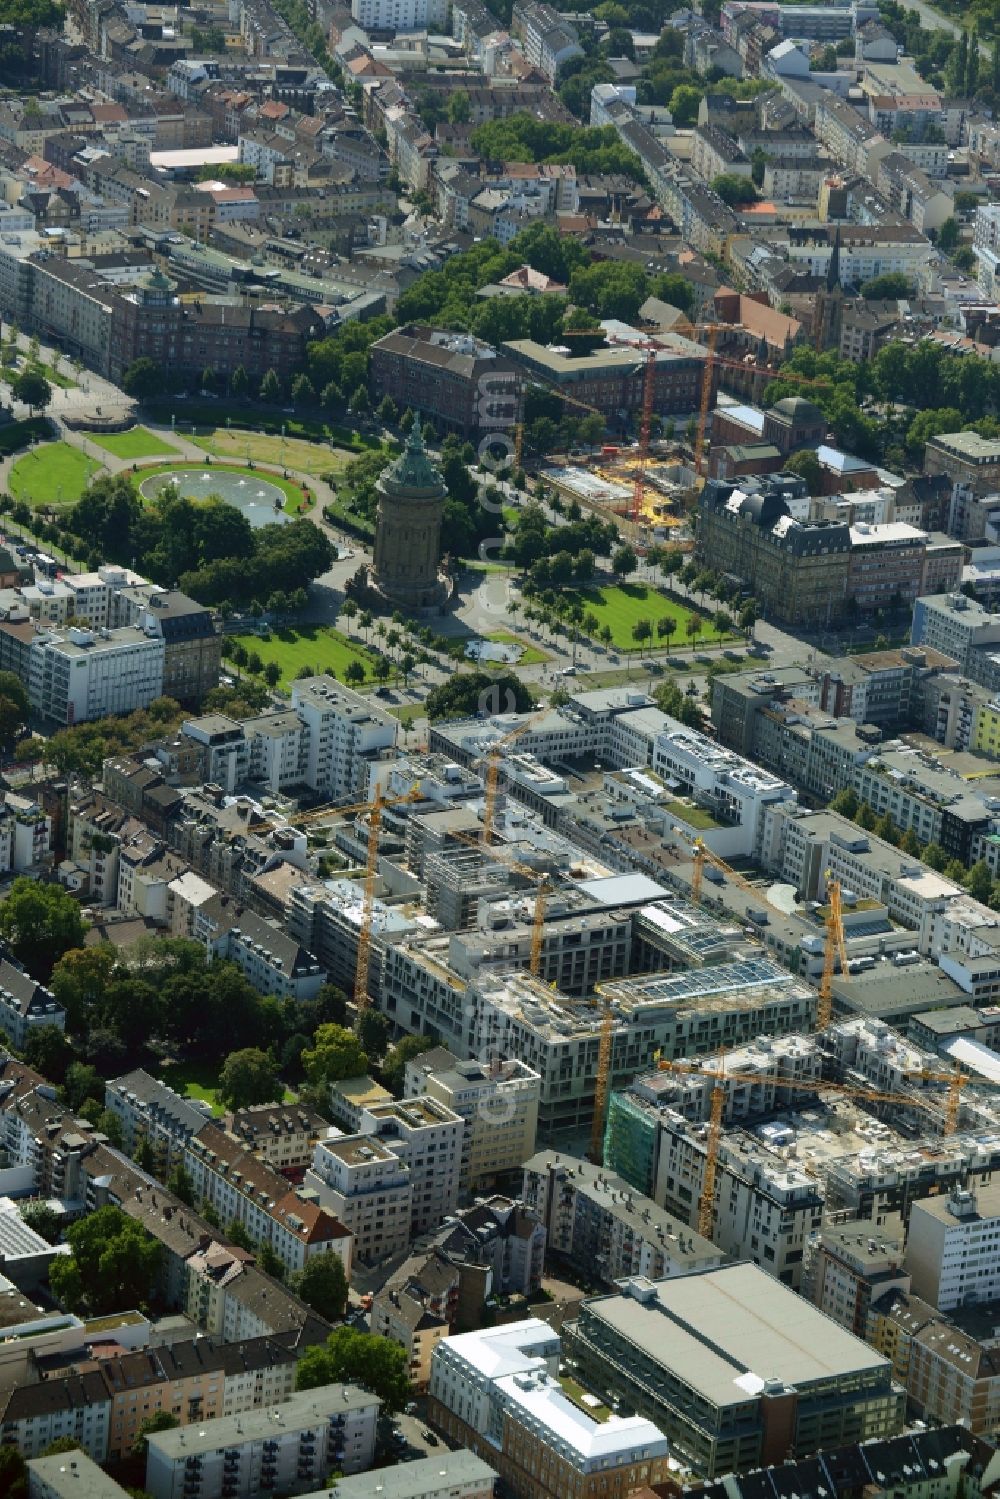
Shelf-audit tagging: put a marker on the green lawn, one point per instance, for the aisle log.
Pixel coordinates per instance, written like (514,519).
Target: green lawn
(692,814)
(576,1392)
(303,455)
(137,442)
(621,606)
(52,474)
(198,1080)
(532,655)
(315,646)
(53,376)
(192,1080)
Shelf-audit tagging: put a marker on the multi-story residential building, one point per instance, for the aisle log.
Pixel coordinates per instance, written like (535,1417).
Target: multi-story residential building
(283,1135)
(368,1189)
(77,1408)
(400,15)
(966,458)
(291,1447)
(426,1136)
(850,1266)
(151,1111)
(687,1353)
(26,1005)
(273,961)
(498,1102)
(343,734)
(735,791)
(453,378)
(243,1189)
(414,1314)
(952,1247)
(797,569)
(944,1461)
(949,1370)
(80,675)
(714,152)
(549,41)
(600,1227)
(496,1393)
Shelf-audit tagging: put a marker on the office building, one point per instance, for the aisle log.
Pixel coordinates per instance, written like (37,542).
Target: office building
(81,674)
(797,569)
(453,379)
(497,1394)
(735,1368)
(953,1247)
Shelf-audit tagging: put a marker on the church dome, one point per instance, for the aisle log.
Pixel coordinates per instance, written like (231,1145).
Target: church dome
(799,410)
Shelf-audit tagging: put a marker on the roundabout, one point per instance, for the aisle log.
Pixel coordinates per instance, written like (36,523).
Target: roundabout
(261,500)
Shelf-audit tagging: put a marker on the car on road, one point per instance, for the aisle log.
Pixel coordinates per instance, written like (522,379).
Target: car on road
(732,655)
(757,648)
(429,1436)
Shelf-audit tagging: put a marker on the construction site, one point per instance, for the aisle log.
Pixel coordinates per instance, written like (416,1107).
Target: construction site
(657,386)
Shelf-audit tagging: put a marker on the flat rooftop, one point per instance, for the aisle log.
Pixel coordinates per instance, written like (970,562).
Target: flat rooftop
(307,1408)
(728,1332)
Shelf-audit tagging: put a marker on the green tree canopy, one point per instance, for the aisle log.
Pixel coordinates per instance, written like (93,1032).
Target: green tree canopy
(41,922)
(322,1285)
(248,1077)
(336,1053)
(365,1359)
(113,1266)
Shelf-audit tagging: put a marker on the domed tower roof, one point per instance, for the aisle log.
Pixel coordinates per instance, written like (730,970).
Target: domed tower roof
(412,473)
(798,409)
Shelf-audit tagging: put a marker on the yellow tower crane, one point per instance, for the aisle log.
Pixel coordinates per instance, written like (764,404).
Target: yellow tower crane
(706,1202)
(602,1083)
(835,947)
(362,998)
(491,781)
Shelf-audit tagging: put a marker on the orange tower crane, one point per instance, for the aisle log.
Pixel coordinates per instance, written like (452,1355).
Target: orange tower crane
(648,393)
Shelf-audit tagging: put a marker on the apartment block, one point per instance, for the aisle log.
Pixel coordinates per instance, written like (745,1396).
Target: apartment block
(850,1266)
(426,1136)
(344,734)
(368,1188)
(246,1190)
(602,1228)
(498,1103)
(291,1447)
